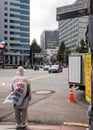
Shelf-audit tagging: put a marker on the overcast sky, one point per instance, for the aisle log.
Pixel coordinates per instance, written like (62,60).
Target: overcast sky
(43,16)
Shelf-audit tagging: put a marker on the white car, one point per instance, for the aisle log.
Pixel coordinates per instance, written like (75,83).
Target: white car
(46,67)
(55,69)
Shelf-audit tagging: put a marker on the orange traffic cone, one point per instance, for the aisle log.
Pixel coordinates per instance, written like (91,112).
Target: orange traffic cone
(71,96)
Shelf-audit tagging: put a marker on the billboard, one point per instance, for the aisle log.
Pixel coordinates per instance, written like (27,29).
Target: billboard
(73,14)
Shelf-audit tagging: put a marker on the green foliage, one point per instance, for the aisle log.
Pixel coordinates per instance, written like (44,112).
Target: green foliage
(63,52)
(82,48)
(60,54)
(34,48)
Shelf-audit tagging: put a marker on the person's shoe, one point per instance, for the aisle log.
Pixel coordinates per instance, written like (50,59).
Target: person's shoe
(24,125)
(18,125)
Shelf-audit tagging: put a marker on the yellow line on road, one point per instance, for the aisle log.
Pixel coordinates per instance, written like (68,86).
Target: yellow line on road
(75,124)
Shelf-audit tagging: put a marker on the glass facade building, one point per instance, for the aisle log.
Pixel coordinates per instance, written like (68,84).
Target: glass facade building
(15,24)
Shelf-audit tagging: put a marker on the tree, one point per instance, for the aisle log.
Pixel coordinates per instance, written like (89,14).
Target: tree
(67,53)
(34,48)
(82,48)
(63,53)
(60,54)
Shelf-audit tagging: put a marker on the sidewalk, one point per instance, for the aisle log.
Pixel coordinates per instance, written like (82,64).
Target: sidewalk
(42,127)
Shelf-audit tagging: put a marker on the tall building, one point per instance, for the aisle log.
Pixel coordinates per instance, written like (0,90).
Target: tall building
(49,39)
(71,31)
(15,29)
(49,42)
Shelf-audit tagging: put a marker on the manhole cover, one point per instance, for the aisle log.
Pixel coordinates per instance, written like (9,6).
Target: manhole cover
(44,91)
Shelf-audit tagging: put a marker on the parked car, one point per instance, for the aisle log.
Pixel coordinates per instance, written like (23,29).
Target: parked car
(55,69)
(46,67)
(41,66)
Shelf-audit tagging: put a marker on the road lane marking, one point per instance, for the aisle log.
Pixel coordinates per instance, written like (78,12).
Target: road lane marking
(40,77)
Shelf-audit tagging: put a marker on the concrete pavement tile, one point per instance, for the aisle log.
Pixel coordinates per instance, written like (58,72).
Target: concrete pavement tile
(44,127)
(40,127)
(72,128)
(7,127)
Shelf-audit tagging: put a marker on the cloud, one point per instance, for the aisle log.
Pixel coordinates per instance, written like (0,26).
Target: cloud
(43,16)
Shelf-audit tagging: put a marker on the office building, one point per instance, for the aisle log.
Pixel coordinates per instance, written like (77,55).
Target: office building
(15,29)
(49,39)
(72,31)
(49,42)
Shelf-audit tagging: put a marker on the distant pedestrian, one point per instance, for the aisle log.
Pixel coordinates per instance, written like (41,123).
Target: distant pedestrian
(22,92)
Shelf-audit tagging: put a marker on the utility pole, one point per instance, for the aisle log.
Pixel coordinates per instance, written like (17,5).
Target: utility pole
(90,41)
(32,59)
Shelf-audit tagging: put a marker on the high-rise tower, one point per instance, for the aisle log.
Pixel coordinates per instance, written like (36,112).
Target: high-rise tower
(15,29)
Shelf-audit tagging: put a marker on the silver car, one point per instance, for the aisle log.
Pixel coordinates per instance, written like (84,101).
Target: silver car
(46,67)
(55,69)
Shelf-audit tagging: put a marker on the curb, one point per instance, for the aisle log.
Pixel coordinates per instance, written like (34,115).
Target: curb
(76,124)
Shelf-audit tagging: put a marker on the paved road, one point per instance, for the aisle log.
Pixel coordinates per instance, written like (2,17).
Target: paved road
(49,105)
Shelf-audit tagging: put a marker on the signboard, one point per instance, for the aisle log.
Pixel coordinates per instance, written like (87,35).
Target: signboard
(77,9)
(88,77)
(73,14)
(39,55)
(73,7)
(74,74)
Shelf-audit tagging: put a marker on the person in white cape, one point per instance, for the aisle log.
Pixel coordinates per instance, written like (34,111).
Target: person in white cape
(21,91)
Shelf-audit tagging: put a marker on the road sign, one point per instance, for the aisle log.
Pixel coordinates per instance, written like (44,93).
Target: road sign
(73,14)
(39,55)
(77,9)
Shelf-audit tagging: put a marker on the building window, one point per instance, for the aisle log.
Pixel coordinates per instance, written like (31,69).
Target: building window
(6,8)
(6,14)
(11,38)
(5,20)
(11,32)
(5,32)
(11,26)
(11,21)
(21,11)
(24,1)
(5,38)
(11,15)
(6,26)
(5,2)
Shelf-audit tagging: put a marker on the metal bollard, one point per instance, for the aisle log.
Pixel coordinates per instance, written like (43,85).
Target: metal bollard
(90,113)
